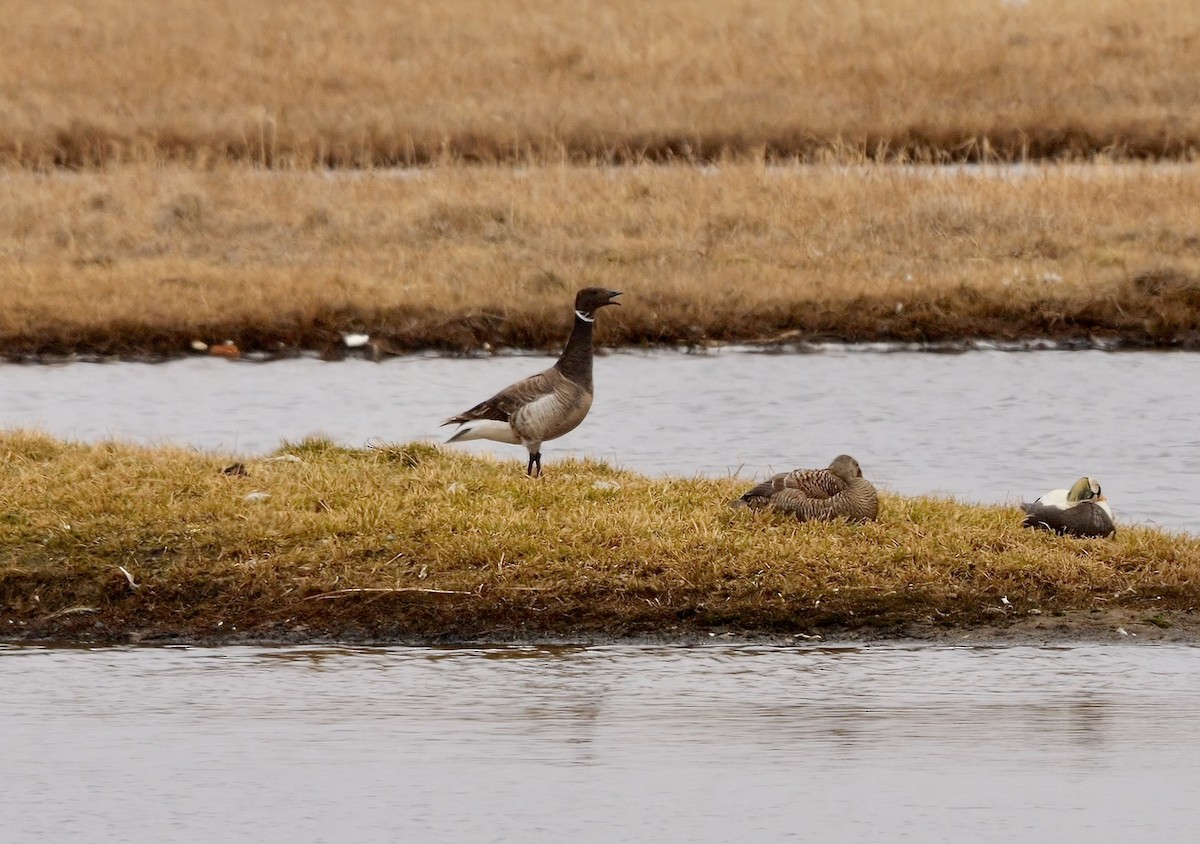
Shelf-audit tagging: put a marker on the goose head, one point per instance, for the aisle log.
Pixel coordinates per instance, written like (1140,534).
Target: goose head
(845,467)
(1084,489)
(590,299)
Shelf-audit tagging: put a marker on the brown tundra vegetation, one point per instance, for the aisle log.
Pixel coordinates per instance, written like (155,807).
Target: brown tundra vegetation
(362,83)
(142,260)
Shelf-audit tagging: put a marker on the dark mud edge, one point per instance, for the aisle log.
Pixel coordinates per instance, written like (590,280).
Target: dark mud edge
(1153,309)
(1125,626)
(776,345)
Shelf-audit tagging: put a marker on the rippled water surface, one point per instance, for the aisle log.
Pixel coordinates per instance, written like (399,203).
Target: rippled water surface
(985,426)
(717,743)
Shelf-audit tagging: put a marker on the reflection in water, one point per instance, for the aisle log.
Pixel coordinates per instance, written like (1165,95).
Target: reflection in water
(720,743)
(984,426)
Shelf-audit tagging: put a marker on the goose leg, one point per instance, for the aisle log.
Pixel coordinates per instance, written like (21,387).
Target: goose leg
(534,470)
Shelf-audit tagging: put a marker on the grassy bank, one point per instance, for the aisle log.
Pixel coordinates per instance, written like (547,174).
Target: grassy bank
(360,83)
(113,543)
(141,260)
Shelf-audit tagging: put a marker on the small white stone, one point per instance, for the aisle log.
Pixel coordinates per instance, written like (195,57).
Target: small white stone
(199,346)
(256,496)
(1122,631)
(605,485)
(356,341)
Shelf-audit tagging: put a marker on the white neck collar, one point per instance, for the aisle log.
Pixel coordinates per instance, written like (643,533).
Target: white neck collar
(585,317)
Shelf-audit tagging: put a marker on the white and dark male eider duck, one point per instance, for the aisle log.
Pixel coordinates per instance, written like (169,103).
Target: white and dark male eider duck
(839,492)
(1079,511)
(547,405)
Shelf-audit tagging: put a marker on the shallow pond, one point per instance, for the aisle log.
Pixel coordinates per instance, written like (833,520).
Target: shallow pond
(986,426)
(604,744)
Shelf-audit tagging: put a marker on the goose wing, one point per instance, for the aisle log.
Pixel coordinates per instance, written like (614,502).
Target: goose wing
(508,401)
(1084,519)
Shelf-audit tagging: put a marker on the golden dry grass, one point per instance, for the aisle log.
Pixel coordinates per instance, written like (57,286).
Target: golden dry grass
(361,82)
(412,542)
(142,260)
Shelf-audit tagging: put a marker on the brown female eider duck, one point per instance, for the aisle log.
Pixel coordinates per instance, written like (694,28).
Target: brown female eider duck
(839,492)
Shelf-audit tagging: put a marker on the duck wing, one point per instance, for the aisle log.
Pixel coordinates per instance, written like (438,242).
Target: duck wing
(760,496)
(814,483)
(798,484)
(814,494)
(857,501)
(508,401)
(1087,519)
(1056,498)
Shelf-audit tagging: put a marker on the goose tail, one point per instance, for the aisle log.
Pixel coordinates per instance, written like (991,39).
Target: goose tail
(482,429)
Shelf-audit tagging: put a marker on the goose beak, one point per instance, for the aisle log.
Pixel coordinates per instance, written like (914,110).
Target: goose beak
(612,297)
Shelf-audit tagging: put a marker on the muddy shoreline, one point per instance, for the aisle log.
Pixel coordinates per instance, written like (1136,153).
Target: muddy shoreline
(782,345)
(1126,626)
(1134,317)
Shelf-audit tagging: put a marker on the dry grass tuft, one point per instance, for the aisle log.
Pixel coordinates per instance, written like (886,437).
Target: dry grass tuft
(411,542)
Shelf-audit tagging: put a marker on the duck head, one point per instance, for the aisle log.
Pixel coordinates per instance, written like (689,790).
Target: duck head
(845,467)
(1084,489)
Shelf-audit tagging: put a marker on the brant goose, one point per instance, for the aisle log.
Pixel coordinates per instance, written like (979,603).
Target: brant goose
(547,405)
(1079,511)
(818,494)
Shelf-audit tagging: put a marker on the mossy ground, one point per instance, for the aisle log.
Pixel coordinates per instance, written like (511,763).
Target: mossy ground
(110,542)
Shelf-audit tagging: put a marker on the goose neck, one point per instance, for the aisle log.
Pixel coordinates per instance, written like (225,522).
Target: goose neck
(576,359)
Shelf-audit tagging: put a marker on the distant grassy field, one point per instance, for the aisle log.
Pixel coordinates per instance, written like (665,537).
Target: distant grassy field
(113,542)
(362,82)
(141,260)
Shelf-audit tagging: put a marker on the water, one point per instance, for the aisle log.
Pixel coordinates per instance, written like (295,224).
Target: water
(605,744)
(985,426)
